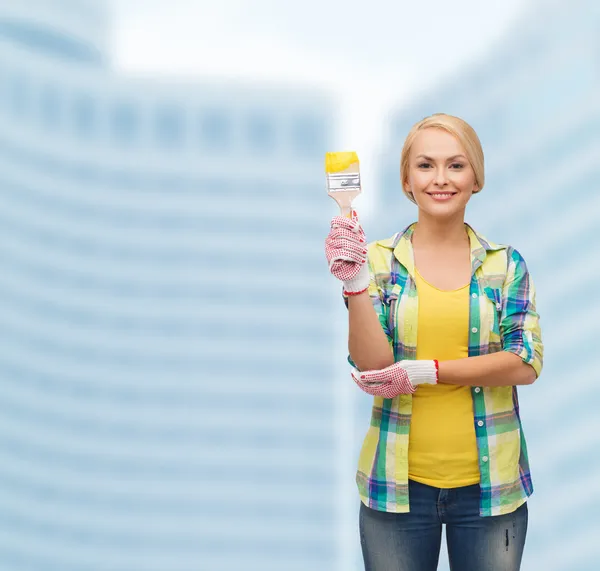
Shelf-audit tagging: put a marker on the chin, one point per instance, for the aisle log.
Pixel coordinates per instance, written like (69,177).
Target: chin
(444,211)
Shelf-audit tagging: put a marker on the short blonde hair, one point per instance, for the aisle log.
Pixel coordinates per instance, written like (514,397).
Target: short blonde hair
(458,128)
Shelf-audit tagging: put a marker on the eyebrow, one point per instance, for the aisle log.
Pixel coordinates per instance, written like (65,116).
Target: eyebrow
(449,159)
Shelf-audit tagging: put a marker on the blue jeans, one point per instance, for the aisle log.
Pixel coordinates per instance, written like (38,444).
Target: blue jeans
(411,541)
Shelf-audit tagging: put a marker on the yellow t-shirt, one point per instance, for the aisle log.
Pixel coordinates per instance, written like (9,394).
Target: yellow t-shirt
(442,447)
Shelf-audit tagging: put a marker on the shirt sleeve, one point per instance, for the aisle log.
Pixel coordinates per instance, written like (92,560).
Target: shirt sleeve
(381,308)
(520,321)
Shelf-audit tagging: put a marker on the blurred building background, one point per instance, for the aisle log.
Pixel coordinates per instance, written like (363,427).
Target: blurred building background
(534,102)
(166,363)
(174,391)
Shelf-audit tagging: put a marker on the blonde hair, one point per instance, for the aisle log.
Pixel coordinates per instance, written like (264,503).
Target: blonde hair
(458,128)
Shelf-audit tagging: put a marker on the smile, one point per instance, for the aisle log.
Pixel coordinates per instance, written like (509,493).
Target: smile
(442,195)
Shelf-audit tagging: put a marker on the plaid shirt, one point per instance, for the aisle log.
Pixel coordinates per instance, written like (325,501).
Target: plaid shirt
(502,317)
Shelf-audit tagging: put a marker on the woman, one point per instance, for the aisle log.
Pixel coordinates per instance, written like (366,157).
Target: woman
(442,329)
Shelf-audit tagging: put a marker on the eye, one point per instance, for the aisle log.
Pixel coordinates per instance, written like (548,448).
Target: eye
(457,165)
(423,165)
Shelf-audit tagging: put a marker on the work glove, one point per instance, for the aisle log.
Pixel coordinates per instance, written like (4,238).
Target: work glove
(401,378)
(346,253)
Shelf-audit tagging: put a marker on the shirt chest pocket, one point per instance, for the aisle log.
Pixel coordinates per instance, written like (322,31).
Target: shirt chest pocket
(392,302)
(491,315)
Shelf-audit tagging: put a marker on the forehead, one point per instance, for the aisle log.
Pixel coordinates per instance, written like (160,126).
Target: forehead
(436,143)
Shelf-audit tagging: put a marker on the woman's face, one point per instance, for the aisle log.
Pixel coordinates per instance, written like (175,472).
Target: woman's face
(439,173)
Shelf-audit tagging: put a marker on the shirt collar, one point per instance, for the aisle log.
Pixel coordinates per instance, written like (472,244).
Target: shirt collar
(401,244)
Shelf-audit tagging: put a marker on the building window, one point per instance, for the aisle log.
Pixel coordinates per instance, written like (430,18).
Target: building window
(261,132)
(308,136)
(215,130)
(169,127)
(50,107)
(18,95)
(124,123)
(84,116)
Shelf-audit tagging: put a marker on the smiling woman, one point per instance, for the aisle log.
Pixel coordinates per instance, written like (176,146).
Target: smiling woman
(442,330)
(445,137)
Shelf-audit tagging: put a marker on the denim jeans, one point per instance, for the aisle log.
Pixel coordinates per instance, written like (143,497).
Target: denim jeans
(411,541)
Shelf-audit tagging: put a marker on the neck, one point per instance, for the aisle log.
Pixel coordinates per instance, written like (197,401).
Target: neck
(440,233)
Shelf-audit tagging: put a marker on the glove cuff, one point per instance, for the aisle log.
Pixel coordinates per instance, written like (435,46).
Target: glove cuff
(422,371)
(360,283)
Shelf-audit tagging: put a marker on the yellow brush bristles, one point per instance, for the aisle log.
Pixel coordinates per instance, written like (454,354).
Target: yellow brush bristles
(337,162)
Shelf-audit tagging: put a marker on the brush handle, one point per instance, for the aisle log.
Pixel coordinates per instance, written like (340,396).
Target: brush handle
(344,201)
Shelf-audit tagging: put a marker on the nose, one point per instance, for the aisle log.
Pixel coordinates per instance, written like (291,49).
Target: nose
(441,177)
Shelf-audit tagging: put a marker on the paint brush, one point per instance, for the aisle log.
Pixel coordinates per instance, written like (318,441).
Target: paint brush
(343,179)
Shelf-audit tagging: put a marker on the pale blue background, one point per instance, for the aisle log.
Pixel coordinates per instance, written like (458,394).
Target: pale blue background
(174,392)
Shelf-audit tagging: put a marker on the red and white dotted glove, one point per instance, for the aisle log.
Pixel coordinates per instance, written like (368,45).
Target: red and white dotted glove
(346,253)
(401,378)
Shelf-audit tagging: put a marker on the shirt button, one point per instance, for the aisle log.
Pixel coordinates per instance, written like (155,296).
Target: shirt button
(477,389)
(480,423)
(473,295)
(485,458)
(474,330)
